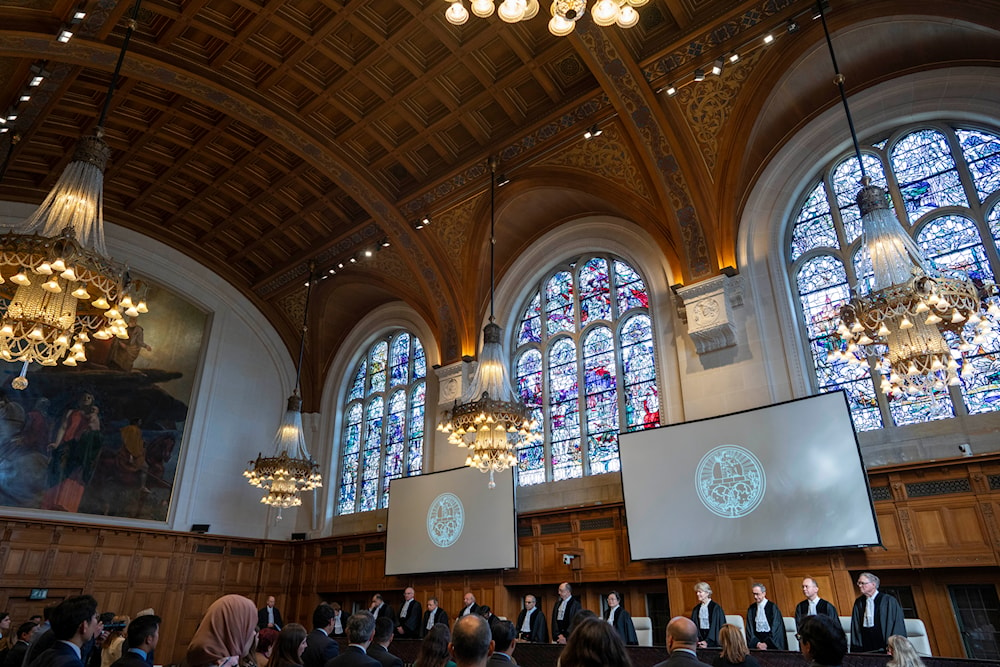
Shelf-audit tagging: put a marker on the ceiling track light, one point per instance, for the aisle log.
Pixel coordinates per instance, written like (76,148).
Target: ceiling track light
(768,38)
(593,131)
(503,179)
(385,242)
(671,90)
(717,67)
(699,74)
(734,57)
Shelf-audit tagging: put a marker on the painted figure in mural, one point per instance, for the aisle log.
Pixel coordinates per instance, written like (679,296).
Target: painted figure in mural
(74,452)
(124,352)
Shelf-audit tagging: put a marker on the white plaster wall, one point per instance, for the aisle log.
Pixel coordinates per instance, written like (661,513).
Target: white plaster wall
(245,379)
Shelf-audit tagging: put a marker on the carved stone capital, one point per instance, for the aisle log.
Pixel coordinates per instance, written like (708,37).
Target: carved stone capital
(709,308)
(451,382)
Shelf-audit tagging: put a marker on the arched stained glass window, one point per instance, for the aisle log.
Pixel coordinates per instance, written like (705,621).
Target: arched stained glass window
(585,366)
(383,437)
(930,172)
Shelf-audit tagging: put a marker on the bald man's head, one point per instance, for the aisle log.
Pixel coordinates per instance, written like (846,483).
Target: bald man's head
(681,633)
(471,641)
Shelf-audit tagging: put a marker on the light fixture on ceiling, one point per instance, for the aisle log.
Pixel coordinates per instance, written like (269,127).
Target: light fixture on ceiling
(902,320)
(565,13)
(717,66)
(699,74)
(61,287)
(490,418)
(592,131)
(290,470)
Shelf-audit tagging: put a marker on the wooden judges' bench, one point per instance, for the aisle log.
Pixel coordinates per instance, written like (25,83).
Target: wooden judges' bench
(546,655)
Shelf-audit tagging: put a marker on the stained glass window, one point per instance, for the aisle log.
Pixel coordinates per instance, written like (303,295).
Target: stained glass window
(590,372)
(927,174)
(383,437)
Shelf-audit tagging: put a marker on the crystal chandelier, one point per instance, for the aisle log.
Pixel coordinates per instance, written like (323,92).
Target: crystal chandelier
(57,285)
(565,13)
(490,418)
(290,470)
(916,321)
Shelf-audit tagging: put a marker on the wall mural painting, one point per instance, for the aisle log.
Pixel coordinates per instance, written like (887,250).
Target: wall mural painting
(104,437)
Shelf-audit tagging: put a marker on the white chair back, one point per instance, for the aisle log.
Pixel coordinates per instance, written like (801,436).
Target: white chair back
(917,634)
(790,632)
(845,623)
(735,619)
(643,629)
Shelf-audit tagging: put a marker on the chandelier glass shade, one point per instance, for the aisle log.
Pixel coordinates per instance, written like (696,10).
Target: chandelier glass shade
(58,287)
(290,470)
(564,13)
(916,321)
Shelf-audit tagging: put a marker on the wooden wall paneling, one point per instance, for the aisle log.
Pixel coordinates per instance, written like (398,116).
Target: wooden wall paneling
(951,534)
(373,565)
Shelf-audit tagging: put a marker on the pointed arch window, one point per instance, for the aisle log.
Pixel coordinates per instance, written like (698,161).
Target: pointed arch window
(584,364)
(383,436)
(944,183)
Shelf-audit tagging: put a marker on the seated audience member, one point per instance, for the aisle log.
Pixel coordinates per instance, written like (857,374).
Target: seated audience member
(7,640)
(379,648)
(471,641)
(708,616)
(434,648)
(682,640)
(734,649)
(765,626)
(594,643)
(266,638)
(360,631)
(142,636)
(225,635)
(902,652)
(531,626)
(578,618)
(74,623)
(822,641)
(433,616)
(289,647)
(15,657)
(620,620)
(319,646)
(92,650)
(113,646)
(504,641)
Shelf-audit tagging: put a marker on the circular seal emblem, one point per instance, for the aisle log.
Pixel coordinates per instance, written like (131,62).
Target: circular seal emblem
(445,520)
(730,481)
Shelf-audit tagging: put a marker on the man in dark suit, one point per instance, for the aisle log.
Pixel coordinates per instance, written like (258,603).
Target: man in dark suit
(268,616)
(379,648)
(16,654)
(141,638)
(682,642)
(566,608)
(875,617)
(434,614)
(380,609)
(504,641)
(813,605)
(74,623)
(765,626)
(360,631)
(469,605)
(408,623)
(531,626)
(319,647)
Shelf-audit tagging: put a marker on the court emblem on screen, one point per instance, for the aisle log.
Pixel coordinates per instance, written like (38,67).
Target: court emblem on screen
(445,520)
(730,481)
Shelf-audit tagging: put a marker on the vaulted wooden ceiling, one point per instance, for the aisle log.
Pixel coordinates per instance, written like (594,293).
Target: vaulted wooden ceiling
(259,135)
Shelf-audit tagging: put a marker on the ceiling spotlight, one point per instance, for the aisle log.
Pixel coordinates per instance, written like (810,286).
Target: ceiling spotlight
(503,180)
(332,271)
(65,36)
(793,26)
(768,38)
(368,252)
(79,15)
(671,90)
(735,57)
(354,259)
(594,131)
(24,97)
(717,67)
(385,242)
(36,81)
(699,74)
(340,265)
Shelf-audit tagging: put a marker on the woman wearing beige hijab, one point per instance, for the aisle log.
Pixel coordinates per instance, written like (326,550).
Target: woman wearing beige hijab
(226,633)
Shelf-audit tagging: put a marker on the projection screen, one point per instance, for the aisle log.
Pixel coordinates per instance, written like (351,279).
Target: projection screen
(450,521)
(784,477)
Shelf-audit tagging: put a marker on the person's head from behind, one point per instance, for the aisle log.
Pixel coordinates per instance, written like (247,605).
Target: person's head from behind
(822,640)
(290,645)
(681,633)
(471,640)
(902,651)
(25,629)
(228,630)
(75,617)
(734,646)
(434,647)
(594,643)
(360,627)
(143,633)
(383,630)
(119,622)
(323,615)
(266,639)
(503,636)
(578,618)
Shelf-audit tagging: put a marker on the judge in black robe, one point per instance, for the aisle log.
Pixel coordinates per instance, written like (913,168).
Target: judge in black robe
(538,631)
(775,637)
(888,617)
(622,621)
(560,627)
(708,637)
